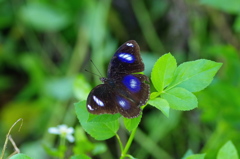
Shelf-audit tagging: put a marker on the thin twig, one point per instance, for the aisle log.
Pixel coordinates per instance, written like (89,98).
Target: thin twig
(7,137)
(14,145)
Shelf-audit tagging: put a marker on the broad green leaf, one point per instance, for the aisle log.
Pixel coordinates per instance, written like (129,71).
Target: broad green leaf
(180,99)
(43,17)
(195,75)
(224,5)
(227,151)
(103,117)
(187,154)
(196,156)
(81,87)
(81,156)
(162,72)
(131,157)
(81,139)
(132,123)
(236,24)
(154,95)
(160,104)
(98,130)
(59,88)
(20,156)
(99,148)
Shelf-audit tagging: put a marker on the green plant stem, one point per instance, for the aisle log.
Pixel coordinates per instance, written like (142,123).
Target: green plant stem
(150,146)
(80,51)
(129,142)
(7,137)
(120,143)
(147,26)
(62,147)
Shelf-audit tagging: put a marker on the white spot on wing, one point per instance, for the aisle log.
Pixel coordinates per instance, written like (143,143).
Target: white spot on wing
(89,107)
(129,44)
(122,103)
(133,83)
(98,101)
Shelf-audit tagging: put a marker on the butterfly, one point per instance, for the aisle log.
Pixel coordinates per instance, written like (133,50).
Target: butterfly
(123,91)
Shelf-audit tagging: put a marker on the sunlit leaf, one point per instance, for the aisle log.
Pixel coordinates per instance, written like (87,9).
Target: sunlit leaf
(132,123)
(81,156)
(20,156)
(103,117)
(232,7)
(99,148)
(196,156)
(237,24)
(162,72)
(81,87)
(160,104)
(187,154)
(195,75)
(227,151)
(43,17)
(98,130)
(59,88)
(180,99)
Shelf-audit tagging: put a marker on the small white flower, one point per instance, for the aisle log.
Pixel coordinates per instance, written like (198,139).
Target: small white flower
(63,131)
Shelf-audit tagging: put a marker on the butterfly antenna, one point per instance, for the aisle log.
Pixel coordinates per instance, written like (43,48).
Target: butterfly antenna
(92,72)
(96,68)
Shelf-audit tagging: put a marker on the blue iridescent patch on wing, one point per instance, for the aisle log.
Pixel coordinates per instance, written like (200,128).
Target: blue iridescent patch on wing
(126,57)
(123,103)
(132,83)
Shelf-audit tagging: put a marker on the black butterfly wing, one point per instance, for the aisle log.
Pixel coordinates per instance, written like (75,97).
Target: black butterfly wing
(124,97)
(101,100)
(132,93)
(106,100)
(126,60)
(122,92)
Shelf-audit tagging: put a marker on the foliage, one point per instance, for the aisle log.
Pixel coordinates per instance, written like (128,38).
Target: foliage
(45,46)
(174,85)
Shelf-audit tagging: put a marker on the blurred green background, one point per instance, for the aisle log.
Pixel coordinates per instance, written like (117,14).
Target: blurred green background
(46,45)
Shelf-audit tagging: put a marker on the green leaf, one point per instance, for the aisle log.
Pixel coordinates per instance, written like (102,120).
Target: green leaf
(103,117)
(43,17)
(227,151)
(59,88)
(132,123)
(20,156)
(180,99)
(154,95)
(81,139)
(98,130)
(162,72)
(160,104)
(50,151)
(131,157)
(196,156)
(81,156)
(236,24)
(232,7)
(195,75)
(188,153)
(99,148)
(81,87)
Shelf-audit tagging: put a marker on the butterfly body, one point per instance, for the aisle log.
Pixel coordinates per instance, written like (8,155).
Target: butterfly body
(121,92)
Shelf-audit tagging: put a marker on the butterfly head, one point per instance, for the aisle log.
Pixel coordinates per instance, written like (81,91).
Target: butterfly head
(108,81)
(104,79)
